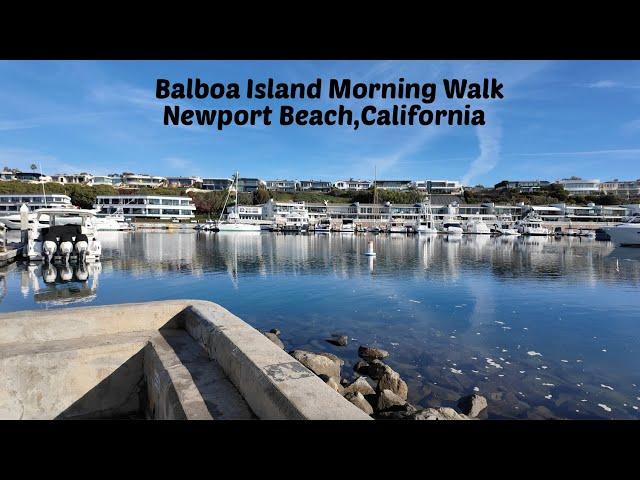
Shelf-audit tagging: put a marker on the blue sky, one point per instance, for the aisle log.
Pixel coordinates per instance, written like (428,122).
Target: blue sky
(557,119)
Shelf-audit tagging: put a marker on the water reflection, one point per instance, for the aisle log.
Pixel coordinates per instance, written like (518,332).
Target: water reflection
(536,324)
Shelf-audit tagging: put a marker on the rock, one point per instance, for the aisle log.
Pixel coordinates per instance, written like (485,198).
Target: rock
(275,331)
(361,367)
(398,412)
(360,385)
(274,338)
(339,340)
(333,357)
(376,369)
(387,400)
(318,364)
(344,382)
(472,405)
(440,413)
(371,353)
(334,383)
(359,401)
(390,380)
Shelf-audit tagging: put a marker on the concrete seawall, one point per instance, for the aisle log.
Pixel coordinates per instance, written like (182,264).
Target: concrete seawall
(177,359)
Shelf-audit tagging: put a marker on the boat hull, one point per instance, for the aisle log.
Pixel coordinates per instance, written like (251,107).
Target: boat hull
(624,236)
(237,227)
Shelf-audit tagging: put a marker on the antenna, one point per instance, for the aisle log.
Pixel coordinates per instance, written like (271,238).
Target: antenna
(44,193)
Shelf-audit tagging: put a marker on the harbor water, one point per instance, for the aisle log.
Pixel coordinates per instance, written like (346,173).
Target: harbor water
(542,327)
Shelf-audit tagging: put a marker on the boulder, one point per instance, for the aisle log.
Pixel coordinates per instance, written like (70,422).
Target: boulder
(390,380)
(339,340)
(371,353)
(440,413)
(318,364)
(361,367)
(387,400)
(359,401)
(376,369)
(275,331)
(334,383)
(333,357)
(360,385)
(274,338)
(472,405)
(398,412)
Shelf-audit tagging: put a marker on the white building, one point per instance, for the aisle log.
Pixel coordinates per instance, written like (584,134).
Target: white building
(103,180)
(73,178)
(278,212)
(247,212)
(352,184)
(440,187)
(184,182)
(147,206)
(133,180)
(578,186)
(282,185)
(621,188)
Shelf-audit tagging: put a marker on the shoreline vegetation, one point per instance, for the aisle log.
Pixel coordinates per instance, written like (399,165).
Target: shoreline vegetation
(211,203)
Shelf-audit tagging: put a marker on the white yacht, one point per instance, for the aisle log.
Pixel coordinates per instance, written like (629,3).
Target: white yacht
(323,226)
(10,206)
(532,225)
(425,224)
(625,234)
(295,222)
(112,222)
(505,226)
(232,223)
(452,226)
(476,226)
(70,235)
(347,226)
(396,227)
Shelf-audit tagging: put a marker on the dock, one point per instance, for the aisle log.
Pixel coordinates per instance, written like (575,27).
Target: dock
(177,359)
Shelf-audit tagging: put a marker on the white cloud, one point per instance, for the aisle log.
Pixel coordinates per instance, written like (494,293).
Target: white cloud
(489,138)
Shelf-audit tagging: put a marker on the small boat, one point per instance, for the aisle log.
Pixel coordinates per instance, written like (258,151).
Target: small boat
(375,229)
(625,234)
(347,226)
(452,226)
(425,223)
(397,227)
(506,226)
(69,236)
(532,225)
(323,226)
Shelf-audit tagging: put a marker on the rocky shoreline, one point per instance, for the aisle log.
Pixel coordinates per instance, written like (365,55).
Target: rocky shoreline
(377,389)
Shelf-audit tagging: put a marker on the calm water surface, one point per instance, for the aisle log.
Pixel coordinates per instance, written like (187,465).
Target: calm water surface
(543,327)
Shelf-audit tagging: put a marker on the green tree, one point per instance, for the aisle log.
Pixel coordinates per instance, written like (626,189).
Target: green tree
(261,196)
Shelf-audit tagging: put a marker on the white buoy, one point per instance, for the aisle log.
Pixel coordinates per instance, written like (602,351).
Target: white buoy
(370,252)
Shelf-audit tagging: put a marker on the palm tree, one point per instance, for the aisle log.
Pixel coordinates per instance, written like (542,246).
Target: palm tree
(34,167)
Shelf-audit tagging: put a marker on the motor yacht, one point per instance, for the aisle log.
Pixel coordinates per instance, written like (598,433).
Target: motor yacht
(323,226)
(625,234)
(477,226)
(532,225)
(425,224)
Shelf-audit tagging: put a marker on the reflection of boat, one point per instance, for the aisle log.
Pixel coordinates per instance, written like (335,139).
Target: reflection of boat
(70,236)
(347,226)
(397,227)
(532,225)
(65,284)
(625,234)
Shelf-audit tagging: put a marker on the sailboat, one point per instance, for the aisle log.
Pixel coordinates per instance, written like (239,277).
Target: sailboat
(425,224)
(232,223)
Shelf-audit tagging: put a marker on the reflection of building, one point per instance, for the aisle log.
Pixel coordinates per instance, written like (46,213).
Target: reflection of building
(147,206)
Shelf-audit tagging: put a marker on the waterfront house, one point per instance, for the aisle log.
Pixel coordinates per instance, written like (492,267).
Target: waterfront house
(7,176)
(591,212)
(147,206)
(277,212)
(250,184)
(578,186)
(439,187)
(132,180)
(32,177)
(526,186)
(282,185)
(216,184)
(103,180)
(184,182)
(621,188)
(352,184)
(393,184)
(74,178)
(315,185)
(247,212)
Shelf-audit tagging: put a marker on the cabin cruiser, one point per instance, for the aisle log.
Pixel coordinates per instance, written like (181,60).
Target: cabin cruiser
(397,227)
(374,229)
(295,222)
(323,226)
(347,226)
(451,226)
(477,226)
(505,226)
(69,236)
(11,203)
(112,222)
(625,234)
(532,225)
